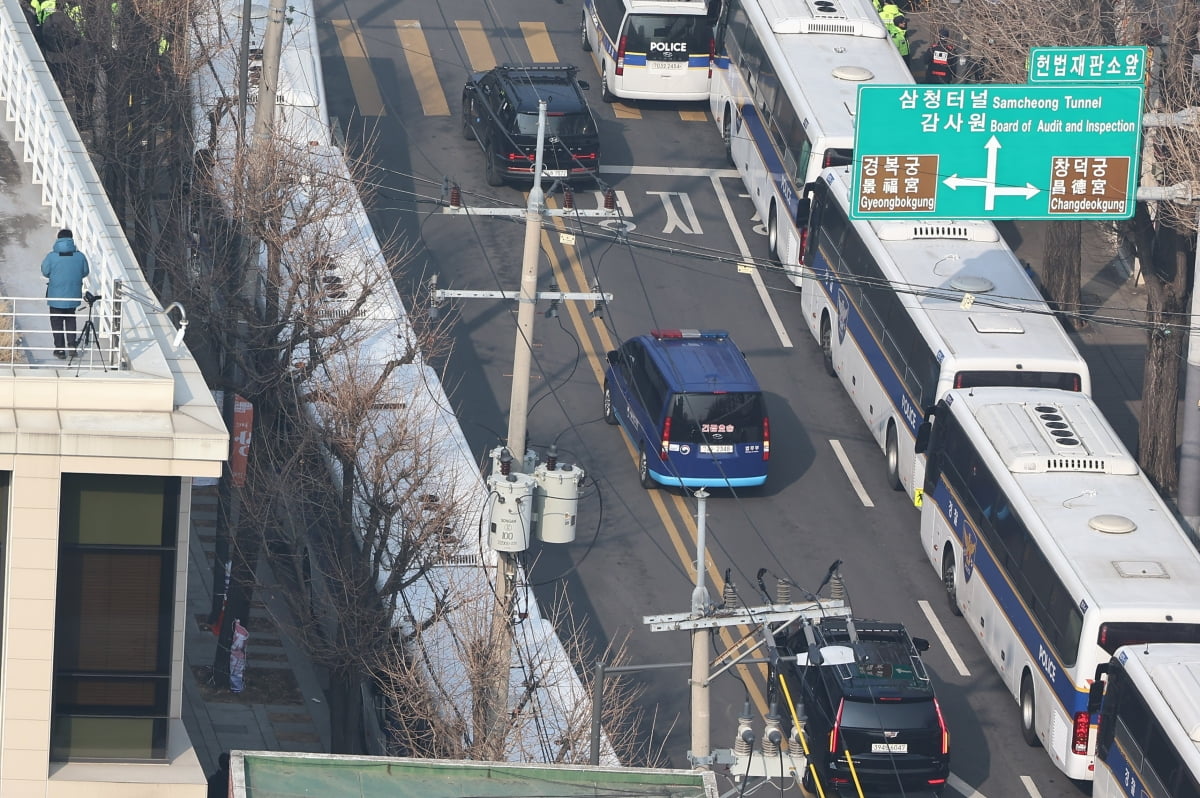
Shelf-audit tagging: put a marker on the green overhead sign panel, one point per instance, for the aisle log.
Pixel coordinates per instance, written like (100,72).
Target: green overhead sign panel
(996,152)
(1087,65)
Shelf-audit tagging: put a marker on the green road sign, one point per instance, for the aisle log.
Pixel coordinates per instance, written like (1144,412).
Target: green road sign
(996,152)
(1087,65)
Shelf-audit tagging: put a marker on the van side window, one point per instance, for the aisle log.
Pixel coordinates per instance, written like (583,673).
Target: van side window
(648,384)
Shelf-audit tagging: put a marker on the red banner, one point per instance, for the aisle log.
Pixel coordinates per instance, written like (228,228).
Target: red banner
(243,421)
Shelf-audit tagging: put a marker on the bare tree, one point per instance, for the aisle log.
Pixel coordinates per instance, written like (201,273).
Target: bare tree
(997,38)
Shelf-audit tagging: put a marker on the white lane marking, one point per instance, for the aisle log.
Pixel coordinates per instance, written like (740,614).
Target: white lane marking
(945,638)
(1031,787)
(685,171)
(961,786)
(755,277)
(850,473)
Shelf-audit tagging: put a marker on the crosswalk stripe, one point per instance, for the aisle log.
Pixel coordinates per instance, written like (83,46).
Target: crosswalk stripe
(475,41)
(538,40)
(623,111)
(420,65)
(358,66)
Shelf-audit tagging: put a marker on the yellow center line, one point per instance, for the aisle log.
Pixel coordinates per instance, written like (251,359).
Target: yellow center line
(475,41)
(358,67)
(686,556)
(537,38)
(420,65)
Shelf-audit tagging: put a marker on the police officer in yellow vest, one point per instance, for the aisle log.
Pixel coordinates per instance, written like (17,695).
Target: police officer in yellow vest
(897,28)
(889,12)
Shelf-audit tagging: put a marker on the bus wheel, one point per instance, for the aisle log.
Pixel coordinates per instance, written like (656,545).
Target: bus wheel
(609,416)
(893,458)
(583,39)
(605,93)
(948,579)
(644,472)
(727,134)
(773,235)
(827,346)
(1028,716)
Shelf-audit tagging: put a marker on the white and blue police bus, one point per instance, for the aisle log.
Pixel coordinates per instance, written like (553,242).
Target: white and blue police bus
(906,310)
(785,93)
(650,49)
(1054,547)
(1148,736)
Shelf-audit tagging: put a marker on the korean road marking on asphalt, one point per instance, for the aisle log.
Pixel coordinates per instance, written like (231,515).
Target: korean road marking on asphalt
(358,68)
(1031,787)
(763,295)
(415,48)
(940,631)
(851,474)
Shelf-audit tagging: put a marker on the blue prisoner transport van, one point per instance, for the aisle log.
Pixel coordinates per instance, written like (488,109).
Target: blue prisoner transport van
(690,404)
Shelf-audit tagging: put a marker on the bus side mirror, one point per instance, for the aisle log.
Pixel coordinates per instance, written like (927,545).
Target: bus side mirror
(920,644)
(802,208)
(1096,692)
(923,433)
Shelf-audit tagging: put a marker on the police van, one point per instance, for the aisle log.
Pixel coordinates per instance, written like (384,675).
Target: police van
(692,408)
(650,49)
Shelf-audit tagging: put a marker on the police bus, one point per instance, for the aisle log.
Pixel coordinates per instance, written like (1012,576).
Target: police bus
(785,93)
(1055,548)
(650,49)
(904,311)
(1148,736)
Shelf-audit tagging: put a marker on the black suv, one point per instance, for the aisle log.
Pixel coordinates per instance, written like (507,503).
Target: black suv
(500,111)
(866,696)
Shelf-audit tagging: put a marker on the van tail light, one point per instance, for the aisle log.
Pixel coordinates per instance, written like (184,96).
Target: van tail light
(766,438)
(942,725)
(712,55)
(666,439)
(621,56)
(837,725)
(1079,733)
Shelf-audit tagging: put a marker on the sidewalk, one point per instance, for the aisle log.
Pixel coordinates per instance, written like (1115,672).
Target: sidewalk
(283,706)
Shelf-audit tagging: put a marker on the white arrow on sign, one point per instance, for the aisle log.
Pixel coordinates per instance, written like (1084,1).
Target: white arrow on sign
(954,182)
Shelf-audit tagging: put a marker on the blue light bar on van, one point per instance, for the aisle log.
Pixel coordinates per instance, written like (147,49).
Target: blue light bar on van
(711,334)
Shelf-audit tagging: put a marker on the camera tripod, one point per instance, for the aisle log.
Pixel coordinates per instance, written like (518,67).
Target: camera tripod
(88,335)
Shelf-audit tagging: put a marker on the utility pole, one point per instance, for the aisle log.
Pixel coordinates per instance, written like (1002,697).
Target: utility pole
(766,622)
(701,643)
(268,87)
(514,455)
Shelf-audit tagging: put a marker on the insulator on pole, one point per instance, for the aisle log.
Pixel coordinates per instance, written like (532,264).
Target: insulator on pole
(610,200)
(455,197)
(783,592)
(569,198)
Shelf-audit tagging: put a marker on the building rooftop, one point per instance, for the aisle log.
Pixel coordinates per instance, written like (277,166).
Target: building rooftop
(263,774)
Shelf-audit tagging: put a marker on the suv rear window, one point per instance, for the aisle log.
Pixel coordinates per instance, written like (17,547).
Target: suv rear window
(734,417)
(556,124)
(642,29)
(892,715)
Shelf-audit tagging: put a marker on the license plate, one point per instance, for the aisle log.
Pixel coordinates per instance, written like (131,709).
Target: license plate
(666,66)
(716,448)
(889,748)
(554,172)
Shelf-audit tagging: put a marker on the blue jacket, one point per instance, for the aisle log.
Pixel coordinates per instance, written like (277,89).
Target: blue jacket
(66,267)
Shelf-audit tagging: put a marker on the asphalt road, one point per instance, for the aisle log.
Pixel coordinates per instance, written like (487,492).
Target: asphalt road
(395,87)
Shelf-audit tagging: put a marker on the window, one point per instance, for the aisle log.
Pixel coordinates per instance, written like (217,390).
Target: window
(717,417)
(113,621)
